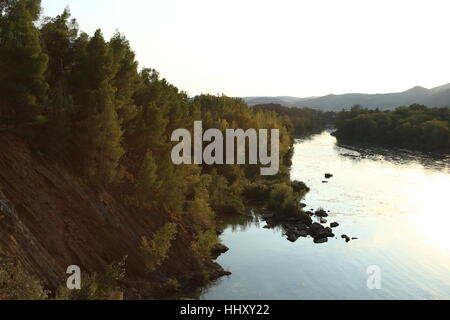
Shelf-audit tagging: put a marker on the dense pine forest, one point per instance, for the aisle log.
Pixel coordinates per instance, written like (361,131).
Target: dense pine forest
(82,101)
(416,127)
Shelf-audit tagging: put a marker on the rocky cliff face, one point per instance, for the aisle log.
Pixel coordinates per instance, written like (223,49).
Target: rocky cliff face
(50,219)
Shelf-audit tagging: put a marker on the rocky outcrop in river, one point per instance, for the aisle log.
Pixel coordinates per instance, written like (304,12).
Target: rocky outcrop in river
(303,226)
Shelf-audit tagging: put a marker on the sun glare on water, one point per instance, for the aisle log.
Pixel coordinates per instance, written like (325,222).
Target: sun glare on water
(430,202)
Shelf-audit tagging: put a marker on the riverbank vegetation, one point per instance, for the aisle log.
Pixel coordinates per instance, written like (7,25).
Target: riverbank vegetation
(300,121)
(415,127)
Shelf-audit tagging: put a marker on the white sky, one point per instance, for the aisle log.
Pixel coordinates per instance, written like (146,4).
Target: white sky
(272,48)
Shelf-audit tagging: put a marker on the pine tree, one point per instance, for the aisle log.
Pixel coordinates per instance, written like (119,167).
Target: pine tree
(99,133)
(58,37)
(103,137)
(125,78)
(22,63)
(147,183)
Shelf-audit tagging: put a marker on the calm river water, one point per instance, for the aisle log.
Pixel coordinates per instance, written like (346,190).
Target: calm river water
(396,203)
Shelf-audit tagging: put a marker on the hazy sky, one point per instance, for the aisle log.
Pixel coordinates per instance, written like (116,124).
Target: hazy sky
(297,48)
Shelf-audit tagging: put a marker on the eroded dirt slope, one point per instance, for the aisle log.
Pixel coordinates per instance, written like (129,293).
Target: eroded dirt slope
(49,220)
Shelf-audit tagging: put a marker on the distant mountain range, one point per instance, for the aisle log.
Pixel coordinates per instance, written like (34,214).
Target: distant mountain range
(435,97)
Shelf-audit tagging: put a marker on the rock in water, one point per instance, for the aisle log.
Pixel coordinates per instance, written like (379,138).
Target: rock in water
(321,240)
(303,233)
(334,225)
(328,175)
(318,231)
(321,213)
(218,249)
(305,218)
(292,237)
(316,228)
(323,220)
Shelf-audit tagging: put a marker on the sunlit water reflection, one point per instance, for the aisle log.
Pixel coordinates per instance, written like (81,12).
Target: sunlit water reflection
(396,203)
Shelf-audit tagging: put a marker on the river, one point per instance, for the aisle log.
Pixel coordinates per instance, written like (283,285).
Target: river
(395,202)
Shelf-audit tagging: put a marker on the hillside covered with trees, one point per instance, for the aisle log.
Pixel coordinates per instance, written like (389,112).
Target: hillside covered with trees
(416,127)
(437,96)
(300,121)
(91,132)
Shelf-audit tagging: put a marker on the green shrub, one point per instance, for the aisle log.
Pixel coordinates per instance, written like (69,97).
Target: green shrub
(96,286)
(256,192)
(204,243)
(300,187)
(17,284)
(233,205)
(283,199)
(156,250)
